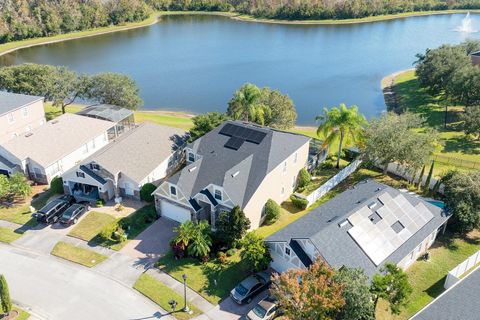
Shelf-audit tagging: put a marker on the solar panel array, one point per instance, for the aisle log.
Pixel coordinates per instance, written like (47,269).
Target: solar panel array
(240,132)
(379,240)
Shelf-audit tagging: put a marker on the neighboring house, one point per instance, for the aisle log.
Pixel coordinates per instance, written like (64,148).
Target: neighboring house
(145,154)
(19,113)
(51,149)
(123,118)
(475,57)
(458,302)
(363,227)
(234,164)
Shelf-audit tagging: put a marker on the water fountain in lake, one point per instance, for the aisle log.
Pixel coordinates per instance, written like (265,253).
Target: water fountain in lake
(466,25)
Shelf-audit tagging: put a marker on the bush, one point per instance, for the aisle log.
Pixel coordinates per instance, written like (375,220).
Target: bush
(100,203)
(231,252)
(299,203)
(304,178)
(272,211)
(56,185)
(146,192)
(222,257)
(107,234)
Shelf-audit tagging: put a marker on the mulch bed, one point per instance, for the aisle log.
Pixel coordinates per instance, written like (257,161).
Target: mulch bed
(12,315)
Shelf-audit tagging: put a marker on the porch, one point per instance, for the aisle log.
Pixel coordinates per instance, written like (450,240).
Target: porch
(84,192)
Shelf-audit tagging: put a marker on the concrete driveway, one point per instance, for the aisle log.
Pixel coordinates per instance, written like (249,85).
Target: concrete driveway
(152,243)
(58,290)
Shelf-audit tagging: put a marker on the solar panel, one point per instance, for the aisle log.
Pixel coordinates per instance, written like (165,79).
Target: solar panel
(256,137)
(244,133)
(227,130)
(234,143)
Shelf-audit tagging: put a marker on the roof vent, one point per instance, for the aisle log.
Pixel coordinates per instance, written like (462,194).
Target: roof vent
(28,134)
(343,223)
(372,205)
(54,121)
(192,169)
(235,174)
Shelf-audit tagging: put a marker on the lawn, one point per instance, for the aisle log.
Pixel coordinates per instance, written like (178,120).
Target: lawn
(136,222)
(91,225)
(202,276)
(20,212)
(85,257)
(22,314)
(161,295)
(428,277)
(7,235)
(456,150)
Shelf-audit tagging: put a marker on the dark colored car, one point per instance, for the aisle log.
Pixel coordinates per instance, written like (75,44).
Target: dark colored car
(68,198)
(246,290)
(73,213)
(52,211)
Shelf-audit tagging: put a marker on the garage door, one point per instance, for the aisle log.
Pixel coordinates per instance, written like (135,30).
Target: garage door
(174,212)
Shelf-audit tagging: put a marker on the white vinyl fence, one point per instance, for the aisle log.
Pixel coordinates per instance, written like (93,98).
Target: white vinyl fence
(455,274)
(400,171)
(332,182)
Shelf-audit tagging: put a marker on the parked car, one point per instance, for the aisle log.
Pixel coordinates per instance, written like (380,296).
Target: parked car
(68,198)
(250,287)
(73,213)
(52,211)
(266,309)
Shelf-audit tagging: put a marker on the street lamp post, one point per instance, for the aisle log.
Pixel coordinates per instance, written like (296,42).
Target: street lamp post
(185,308)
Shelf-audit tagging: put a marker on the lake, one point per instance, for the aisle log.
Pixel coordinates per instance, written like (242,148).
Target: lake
(194,63)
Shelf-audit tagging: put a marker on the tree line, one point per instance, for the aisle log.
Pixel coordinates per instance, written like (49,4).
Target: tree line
(24,19)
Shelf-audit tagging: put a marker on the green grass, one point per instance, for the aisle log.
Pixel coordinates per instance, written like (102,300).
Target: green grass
(91,225)
(85,257)
(20,212)
(137,221)
(428,277)
(201,276)
(8,236)
(456,149)
(161,295)
(22,314)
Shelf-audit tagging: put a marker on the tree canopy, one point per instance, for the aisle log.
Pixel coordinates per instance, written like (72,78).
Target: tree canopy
(311,293)
(392,138)
(338,124)
(62,86)
(462,197)
(471,121)
(206,122)
(231,226)
(16,186)
(255,252)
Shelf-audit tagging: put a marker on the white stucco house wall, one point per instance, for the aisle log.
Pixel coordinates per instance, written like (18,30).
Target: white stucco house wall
(145,154)
(58,145)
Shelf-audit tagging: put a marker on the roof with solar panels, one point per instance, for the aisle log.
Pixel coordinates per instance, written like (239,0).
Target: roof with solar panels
(236,156)
(366,226)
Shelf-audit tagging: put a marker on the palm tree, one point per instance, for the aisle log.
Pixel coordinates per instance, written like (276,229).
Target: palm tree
(185,232)
(246,105)
(201,241)
(340,123)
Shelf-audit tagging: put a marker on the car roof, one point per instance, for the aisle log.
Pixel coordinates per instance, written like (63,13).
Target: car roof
(267,303)
(74,206)
(264,275)
(249,282)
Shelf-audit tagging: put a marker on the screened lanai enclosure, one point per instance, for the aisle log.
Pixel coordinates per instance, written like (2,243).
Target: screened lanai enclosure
(123,118)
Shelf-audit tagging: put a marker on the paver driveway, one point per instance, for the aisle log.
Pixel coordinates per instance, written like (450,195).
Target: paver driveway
(152,243)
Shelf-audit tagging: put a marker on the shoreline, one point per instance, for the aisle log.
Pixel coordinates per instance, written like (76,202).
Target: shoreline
(10,47)
(389,96)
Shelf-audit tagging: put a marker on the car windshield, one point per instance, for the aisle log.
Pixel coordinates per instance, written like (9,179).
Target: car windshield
(241,290)
(68,213)
(259,311)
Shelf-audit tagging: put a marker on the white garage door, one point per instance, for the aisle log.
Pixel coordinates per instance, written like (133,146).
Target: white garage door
(174,212)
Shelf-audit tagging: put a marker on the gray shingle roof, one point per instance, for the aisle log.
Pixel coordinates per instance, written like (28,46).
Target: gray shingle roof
(458,302)
(12,101)
(56,139)
(335,245)
(219,164)
(139,151)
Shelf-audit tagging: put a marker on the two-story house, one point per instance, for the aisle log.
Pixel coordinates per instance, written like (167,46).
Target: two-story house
(19,114)
(235,164)
(51,149)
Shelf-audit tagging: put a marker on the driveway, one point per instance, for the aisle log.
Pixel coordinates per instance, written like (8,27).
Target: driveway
(152,243)
(57,290)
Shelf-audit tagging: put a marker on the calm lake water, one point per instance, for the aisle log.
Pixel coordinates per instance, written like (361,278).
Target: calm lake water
(195,63)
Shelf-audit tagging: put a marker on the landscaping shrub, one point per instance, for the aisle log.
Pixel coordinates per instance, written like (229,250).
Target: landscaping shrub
(107,232)
(100,203)
(222,257)
(298,202)
(304,178)
(272,211)
(56,185)
(231,252)
(146,192)
(178,249)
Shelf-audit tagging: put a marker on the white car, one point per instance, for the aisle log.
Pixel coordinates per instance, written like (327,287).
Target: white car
(266,309)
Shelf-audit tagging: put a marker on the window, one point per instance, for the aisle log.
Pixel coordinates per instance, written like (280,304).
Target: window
(191,157)
(173,191)
(283,190)
(218,195)
(80,174)
(287,251)
(295,157)
(11,119)
(294,181)
(285,166)
(25,112)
